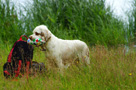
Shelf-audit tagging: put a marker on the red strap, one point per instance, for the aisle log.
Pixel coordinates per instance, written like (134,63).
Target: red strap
(27,68)
(23,36)
(19,67)
(10,54)
(6,72)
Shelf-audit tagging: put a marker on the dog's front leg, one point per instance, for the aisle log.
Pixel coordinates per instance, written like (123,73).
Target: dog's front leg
(60,65)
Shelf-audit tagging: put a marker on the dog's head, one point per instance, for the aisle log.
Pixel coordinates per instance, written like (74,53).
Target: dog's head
(41,32)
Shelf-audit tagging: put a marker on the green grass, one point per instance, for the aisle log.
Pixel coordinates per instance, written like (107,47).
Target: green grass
(87,20)
(109,69)
(11,27)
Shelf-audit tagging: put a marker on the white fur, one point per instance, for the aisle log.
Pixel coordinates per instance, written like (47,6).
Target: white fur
(62,52)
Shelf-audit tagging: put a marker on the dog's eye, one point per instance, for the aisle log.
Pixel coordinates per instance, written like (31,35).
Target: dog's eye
(36,33)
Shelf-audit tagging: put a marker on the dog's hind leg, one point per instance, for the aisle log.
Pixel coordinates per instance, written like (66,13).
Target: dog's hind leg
(85,55)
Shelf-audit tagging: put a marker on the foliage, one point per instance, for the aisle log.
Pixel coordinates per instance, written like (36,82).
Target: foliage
(87,20)
(132,20)
(10,26)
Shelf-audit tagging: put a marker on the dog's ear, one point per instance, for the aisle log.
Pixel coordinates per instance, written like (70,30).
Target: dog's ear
(46,34)
(42,34)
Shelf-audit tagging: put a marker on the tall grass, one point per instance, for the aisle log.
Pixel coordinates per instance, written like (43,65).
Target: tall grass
(87,20)
(111,69)
(10,25)
(132,21)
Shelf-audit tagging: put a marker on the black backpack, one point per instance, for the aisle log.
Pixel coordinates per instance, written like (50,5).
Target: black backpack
(19,58)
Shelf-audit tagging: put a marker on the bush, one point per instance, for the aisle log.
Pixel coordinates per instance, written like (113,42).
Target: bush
(132,21)
(10,26)
(87,20)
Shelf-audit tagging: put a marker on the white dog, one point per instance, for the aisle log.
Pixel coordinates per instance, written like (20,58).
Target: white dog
(61,52)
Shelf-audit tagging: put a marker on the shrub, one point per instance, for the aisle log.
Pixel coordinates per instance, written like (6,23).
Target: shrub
(10,26)
(87,20)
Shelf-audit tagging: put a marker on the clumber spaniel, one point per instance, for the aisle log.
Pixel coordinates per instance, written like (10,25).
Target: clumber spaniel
(61,52)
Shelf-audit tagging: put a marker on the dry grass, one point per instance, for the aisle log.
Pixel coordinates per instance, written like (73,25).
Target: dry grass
(110,68)
(113,67)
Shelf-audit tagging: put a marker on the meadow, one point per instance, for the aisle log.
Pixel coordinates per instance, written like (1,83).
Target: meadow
(110,69)
(112,66)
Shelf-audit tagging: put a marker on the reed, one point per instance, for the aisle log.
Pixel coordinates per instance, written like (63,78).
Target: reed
(87,20)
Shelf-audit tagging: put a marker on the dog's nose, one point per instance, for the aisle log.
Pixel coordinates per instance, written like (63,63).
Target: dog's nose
(30,37)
